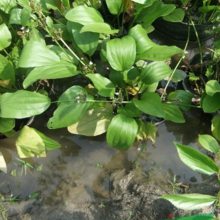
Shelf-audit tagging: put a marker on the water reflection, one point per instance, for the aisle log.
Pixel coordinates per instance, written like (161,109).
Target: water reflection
(82,166)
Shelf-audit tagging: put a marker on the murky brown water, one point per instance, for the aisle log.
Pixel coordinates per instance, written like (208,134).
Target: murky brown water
(79,162)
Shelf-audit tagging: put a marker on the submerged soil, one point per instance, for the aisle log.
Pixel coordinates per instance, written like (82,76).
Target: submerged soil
(87,180)
(133,196)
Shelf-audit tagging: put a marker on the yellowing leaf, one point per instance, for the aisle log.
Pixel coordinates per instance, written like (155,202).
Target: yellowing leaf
(3,166)
(32,143)
(95,122)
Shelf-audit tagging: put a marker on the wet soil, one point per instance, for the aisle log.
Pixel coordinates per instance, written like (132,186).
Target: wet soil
(87,180)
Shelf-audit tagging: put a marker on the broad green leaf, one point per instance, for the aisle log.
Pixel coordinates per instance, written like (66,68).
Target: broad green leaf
(94,122)
(215,127)
(143,42)
(154,53)
(23,104)
(196,160)
(198,217)
(72,105)
(178,76)
(52,4)
(20,16)
(36,53)
(209,143)
(15,16)
(181,98)
(84,15)
(173,113)
(154,72)
(211,103)
(115,6)
(7,71)
(212,87)
(148,50)
(7,5)
(129,110)
(121,53)
(32,143)
(151,104)
(5,36)
(122,132)
(147,131)
(86,41)
(175,16)
(6,125)
(190,201)
(3,166)
(55,71)
(102,28)
(64,54)
(104,86)
(24,3)
(158,9)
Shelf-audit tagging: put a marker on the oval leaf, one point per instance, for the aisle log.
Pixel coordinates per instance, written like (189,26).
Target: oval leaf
(121,53)
(175,16)
(104,86)
(216,127)
(6,124)
(5,36)
(209,143)
(7,72)
(198,217)
(150,103)
(196,160)
(7,5)
(212,87)
(95,122)
(115,6)
(84,15)
(101,28)
(173,113)
(122,132)
(86,41)
(147,49)
(181,98)
(158,9)
(154,72)
(35,54)
(56,71)
(72,105)
(211,103)
(32,143)
(23,104)
(190,201)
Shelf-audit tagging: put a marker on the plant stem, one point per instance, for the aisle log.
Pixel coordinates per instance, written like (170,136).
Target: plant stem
(198,40)
(174,70)
(61,39)
(71,51)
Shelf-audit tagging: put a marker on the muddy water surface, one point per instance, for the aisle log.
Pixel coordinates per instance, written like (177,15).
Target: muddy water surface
(79,172)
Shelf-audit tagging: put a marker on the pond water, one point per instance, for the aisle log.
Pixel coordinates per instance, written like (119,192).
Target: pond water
(81,161)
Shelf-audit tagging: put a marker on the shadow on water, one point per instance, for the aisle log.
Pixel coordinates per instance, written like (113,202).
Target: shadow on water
(80,172)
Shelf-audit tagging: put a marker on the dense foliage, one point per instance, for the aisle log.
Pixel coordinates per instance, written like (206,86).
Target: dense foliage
(93,68)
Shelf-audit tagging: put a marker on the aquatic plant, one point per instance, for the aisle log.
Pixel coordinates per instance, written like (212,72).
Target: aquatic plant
(90,67)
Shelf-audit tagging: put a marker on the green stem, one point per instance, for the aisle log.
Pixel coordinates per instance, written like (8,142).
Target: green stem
(174,70)
(198,40)
(71,51)
(61,39)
